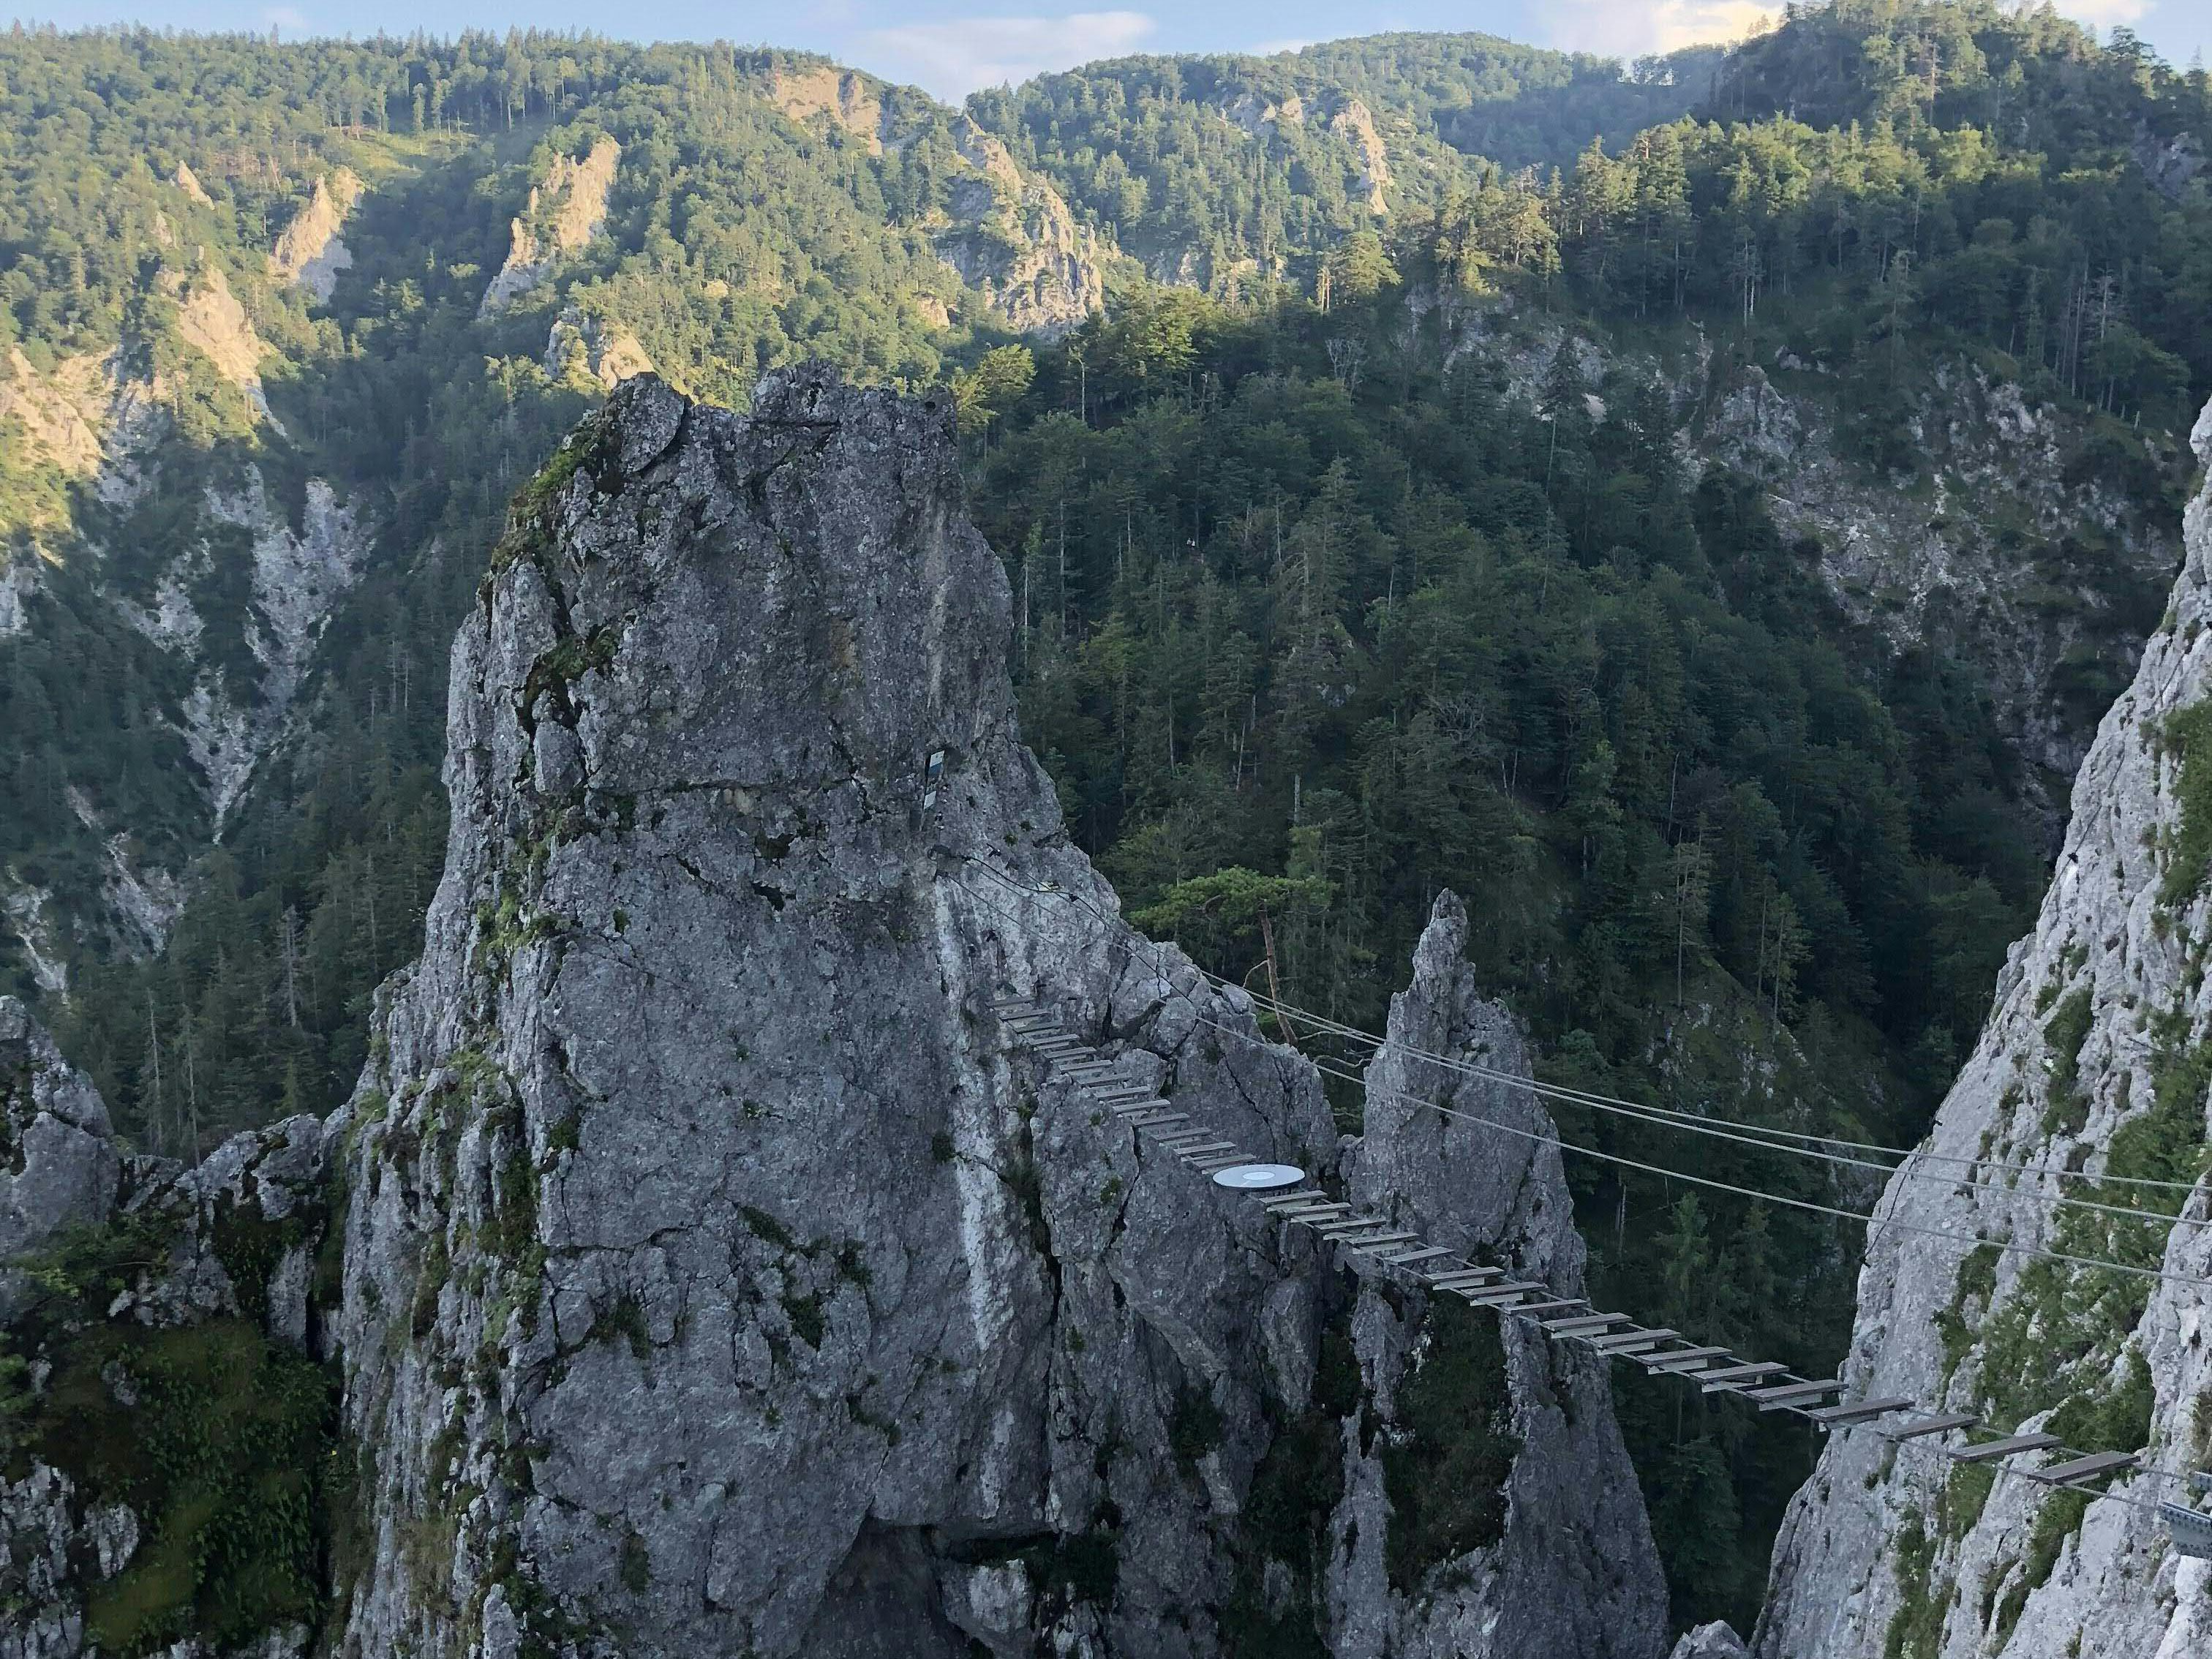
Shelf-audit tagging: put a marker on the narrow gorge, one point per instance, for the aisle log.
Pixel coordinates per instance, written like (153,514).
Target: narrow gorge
(2090,1081)
(704,1271)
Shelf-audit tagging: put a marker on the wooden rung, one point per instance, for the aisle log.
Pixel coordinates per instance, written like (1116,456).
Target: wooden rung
(1452,1280)
(1279,1202)
(1990,1450)
(1348,1225)
(1793,1393)
(1732,1378)
(1942,1424)
(1631,1341)
(1862,1410)
(1410,1257)
(1557,1305)
(1583,1324)
(1188,1150)
(1213,1161)
(1427,1253)
(1685,1361)
(2083,1468)
(1384,1240)
(1314,1211)
(1494,1296)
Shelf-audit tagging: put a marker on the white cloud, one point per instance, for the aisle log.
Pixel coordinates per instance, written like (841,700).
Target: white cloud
(954,57)
(289,19)
(2103,14)
(1629,29)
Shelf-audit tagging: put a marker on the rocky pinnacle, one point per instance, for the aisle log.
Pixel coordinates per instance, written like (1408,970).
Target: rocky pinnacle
(717,1277)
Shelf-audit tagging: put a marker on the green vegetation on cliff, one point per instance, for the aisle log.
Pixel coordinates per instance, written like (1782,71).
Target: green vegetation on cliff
(1338,579)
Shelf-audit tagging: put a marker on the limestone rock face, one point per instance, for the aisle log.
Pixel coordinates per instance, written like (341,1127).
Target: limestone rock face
(1355,126)
(582,344)
(62,415)
(60,1169)
(299,576)
(1573,1569)
(233,1238)
(188,181)
(2094,1058)
(1713,1641)
(210,318)
(311,252)
(564,214)
(851,100)
(717,1277)
(2171,164)
(1013,237)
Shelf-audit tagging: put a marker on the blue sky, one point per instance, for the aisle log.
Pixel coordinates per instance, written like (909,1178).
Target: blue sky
(953,46)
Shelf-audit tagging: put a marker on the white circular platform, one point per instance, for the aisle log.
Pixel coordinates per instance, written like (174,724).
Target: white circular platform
(1258,1177)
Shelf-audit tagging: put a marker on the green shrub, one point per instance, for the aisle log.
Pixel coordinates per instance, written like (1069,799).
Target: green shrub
(1445,1467)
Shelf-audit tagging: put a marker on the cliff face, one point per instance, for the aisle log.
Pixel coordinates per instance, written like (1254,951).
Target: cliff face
(717,1276)
(1010,236)
(310,252)
(1536,1584)
(564,213)
(2015,548)
(161,1400)
(2095,1059)
(705,1269)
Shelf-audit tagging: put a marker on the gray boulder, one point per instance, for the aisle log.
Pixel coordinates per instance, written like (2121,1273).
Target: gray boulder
(1717,1640)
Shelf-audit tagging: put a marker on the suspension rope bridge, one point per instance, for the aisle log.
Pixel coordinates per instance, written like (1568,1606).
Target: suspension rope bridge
(1375,1241)
(1787,1142)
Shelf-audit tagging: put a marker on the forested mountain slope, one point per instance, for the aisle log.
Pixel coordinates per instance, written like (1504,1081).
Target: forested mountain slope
(284,329)
(1709,549)
(1233,173)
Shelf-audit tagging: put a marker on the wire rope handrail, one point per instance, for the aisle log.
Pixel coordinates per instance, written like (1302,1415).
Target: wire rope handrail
(2004,1247)
(1616,1336)
(1725,1129)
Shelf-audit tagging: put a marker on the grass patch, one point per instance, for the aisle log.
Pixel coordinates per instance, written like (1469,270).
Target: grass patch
(1916,1629)
(2188,733)
(230,1455)
(1977,1276)
(1444,1466)
(2066,1032)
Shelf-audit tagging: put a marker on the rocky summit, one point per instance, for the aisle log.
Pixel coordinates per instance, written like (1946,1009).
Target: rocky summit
(707,1270)
(718,1277)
